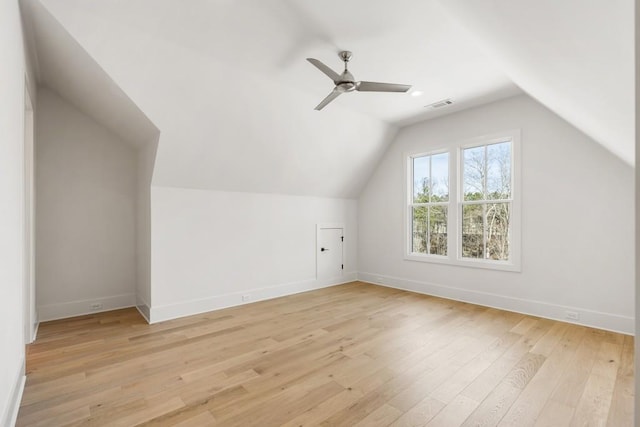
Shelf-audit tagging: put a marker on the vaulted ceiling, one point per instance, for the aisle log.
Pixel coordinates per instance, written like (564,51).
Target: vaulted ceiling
(227,86)
(575,57)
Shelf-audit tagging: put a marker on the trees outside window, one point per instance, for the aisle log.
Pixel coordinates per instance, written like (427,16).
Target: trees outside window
(486,202)
(430,204)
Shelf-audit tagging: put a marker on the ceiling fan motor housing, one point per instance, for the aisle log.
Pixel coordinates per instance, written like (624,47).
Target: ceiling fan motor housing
(347,82)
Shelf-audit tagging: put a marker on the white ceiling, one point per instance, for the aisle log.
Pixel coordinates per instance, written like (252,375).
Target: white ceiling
(574,56)
(227,84)
(409,41)
(64,66)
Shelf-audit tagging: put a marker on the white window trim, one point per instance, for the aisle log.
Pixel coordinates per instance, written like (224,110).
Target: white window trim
(454,211)
(408,198)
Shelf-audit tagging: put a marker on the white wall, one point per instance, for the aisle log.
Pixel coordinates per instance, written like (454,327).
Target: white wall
(210,247)
(12,87)
(146,159)
(86,212)
(577,233)
(637,212)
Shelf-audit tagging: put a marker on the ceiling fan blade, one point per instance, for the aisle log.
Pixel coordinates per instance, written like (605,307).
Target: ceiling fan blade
(381,87)
(328,71)
(333,95)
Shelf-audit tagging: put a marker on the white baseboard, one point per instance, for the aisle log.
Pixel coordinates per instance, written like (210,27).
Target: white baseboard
(143,308)
(592,318)
(35,332)
(188,308)
(10,413)
(79,308)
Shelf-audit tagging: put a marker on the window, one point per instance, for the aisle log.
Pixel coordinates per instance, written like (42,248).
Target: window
(429,204)
(463,204)
(486,201)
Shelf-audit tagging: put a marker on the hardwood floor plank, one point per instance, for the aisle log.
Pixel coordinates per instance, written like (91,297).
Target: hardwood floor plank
(427,382)
(559,353)
(152,410)
(314,416)
(204,419)
(291,403)
(622,401)
(555,414)
(594,404)
(486,382)
(355,354)
(454,413)
(496,405)
(574,379)
(31,413)
(61,416)
(468,373)
(549,341)
(381,417)
(420,414)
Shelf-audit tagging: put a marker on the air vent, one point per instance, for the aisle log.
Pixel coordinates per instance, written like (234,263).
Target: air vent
(440,104)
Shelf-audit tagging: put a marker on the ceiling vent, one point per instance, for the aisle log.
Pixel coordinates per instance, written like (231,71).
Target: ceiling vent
(440,104)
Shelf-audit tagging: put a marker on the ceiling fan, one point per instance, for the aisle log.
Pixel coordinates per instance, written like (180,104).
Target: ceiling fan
(345,82)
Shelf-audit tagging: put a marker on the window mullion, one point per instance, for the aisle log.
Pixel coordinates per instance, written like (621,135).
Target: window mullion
(480,202)
(484,180)
(484,231)
(484,205)
(428,230)
(429,207)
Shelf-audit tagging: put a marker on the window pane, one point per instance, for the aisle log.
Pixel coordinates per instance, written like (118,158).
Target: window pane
(473,179)
(438,230)
(498,216)
(419,229)
(440,177)
(499,171)
(472,231)
(421,179)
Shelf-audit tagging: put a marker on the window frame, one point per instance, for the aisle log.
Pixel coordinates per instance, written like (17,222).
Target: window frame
(409,254)
(455,204)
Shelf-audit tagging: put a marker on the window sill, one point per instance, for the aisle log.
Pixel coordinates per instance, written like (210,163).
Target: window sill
(471,263)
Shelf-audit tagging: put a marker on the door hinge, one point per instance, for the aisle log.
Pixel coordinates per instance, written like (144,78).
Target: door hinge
(342,238)
(342,266)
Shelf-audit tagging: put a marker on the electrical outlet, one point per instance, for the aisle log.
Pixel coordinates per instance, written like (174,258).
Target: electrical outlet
(246,297)
(572,315)
(96,306)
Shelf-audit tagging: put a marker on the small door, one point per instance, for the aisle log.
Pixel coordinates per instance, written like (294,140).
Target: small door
(329,256)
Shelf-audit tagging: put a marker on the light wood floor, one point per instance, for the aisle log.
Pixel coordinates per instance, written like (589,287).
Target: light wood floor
(352,355)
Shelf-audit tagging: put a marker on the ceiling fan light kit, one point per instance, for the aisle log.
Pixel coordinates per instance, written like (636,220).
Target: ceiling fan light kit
(345,82)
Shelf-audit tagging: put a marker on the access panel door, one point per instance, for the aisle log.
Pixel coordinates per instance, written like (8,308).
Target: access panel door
(329,255)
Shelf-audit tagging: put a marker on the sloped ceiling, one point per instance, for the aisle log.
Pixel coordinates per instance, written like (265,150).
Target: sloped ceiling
(64,66)
(226,83)
(574,56)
